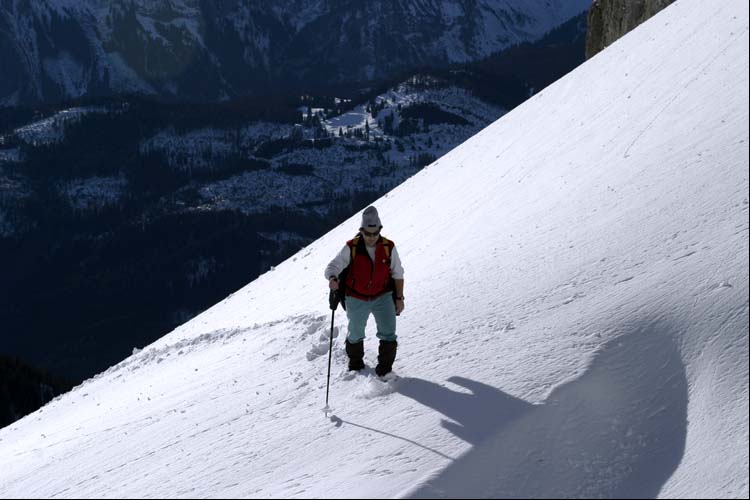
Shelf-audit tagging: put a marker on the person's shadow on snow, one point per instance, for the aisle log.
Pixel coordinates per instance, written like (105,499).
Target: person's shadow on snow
(473,415)
(617,431)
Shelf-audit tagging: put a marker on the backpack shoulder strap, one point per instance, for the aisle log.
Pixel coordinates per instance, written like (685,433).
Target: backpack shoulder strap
(387,246)
(353,244)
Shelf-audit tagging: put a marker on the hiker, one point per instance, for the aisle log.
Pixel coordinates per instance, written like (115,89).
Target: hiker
(372,284)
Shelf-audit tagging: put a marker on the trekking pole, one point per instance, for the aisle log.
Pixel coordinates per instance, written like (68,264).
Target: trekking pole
(333,302)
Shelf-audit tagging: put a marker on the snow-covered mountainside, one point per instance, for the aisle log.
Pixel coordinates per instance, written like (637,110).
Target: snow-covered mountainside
(209,49)
(373,147)
(576,323)
(364,150)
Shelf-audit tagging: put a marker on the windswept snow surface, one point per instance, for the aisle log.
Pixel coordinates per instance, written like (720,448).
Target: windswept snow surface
(576,321)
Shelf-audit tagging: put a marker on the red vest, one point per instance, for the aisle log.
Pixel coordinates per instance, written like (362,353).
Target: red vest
(367,279)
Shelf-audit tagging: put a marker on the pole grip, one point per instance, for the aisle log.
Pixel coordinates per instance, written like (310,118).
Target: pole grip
(333,299)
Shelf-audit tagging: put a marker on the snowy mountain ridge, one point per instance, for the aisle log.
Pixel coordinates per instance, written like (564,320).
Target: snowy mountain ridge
(62,49)
(576,322)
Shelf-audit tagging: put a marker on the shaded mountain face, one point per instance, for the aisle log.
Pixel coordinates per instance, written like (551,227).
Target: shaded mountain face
(24,389)
(214,49)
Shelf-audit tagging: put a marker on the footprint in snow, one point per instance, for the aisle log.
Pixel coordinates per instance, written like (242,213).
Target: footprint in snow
(363,374)
(376,387)
(322,345)
(720,286)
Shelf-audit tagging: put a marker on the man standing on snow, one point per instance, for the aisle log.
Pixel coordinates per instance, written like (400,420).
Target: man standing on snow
(374,284)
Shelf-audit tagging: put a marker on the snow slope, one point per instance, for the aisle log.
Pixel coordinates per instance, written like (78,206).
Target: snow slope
(576,322)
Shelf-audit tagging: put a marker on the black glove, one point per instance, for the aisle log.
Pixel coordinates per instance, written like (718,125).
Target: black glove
(333,299)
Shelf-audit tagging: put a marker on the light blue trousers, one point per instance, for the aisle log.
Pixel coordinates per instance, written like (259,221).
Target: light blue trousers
(358,311)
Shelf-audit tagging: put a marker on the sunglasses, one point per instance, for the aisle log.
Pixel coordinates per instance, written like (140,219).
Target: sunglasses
(371,235)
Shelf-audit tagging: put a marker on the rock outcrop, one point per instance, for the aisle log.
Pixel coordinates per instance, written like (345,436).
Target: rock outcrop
(608,20)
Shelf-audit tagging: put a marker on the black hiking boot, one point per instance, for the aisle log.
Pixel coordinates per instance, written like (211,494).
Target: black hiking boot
(356,353)
(386,357)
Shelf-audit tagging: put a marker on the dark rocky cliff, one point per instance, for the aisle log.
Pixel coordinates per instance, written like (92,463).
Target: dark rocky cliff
(608,20)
